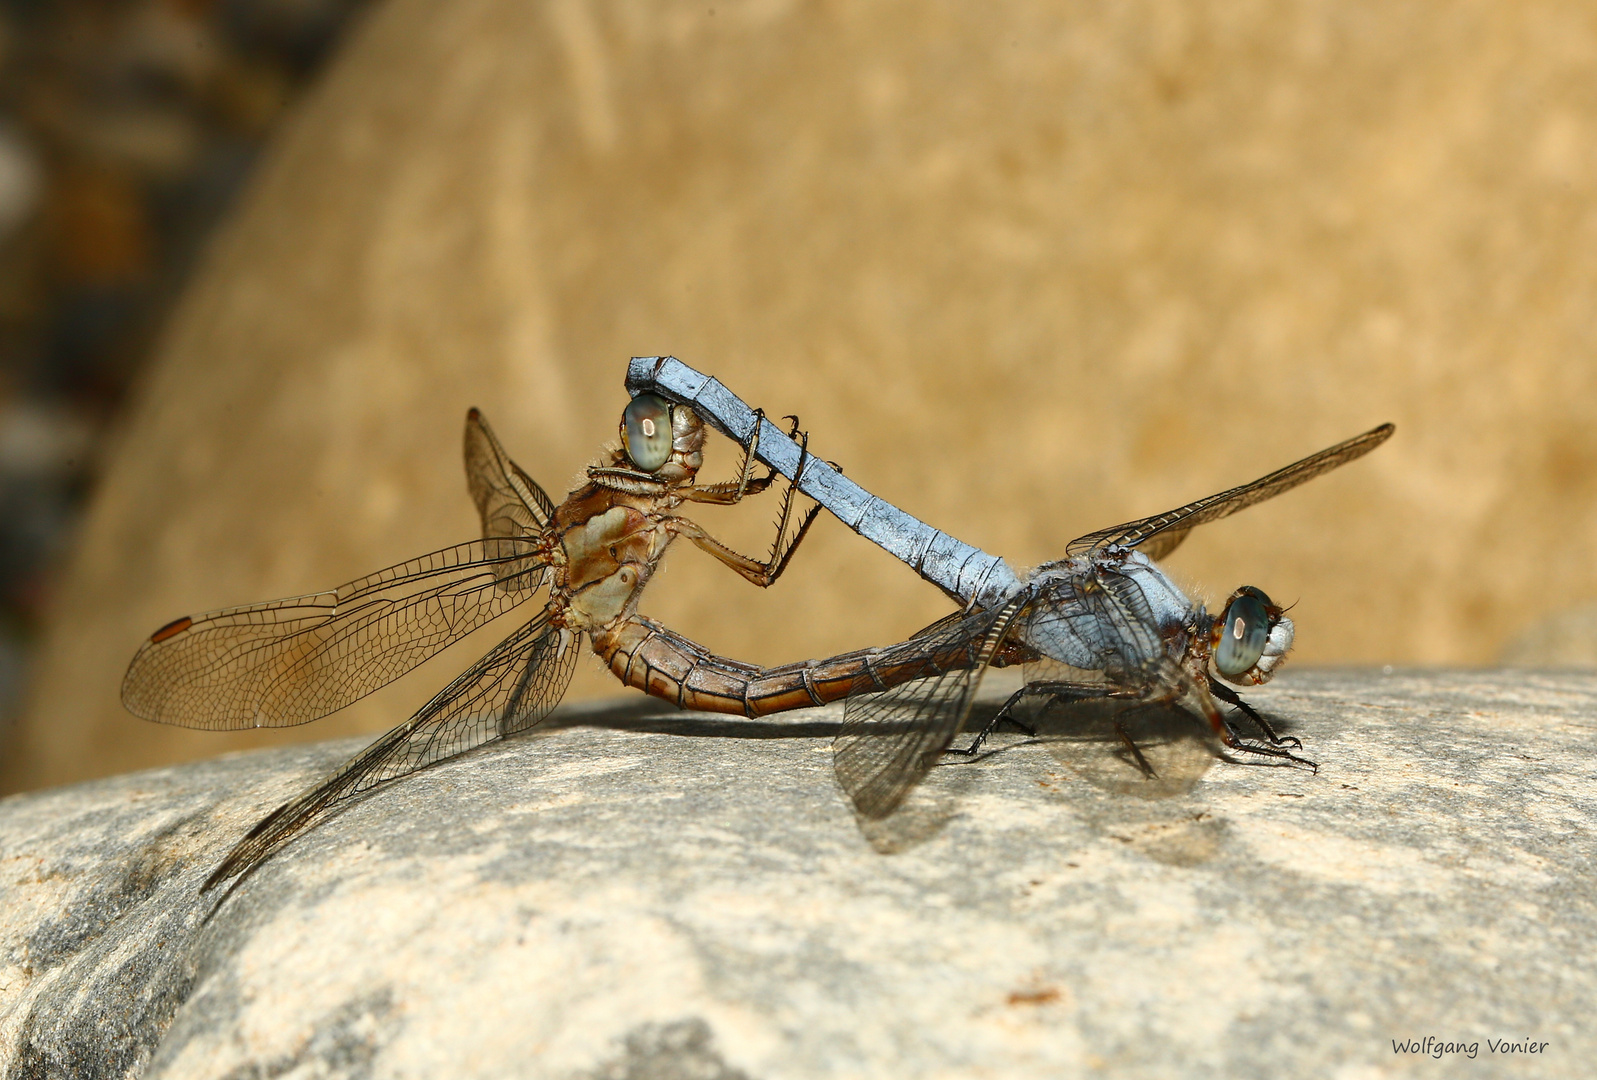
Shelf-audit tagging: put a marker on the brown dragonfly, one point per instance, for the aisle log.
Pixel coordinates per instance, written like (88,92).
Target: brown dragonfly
(288,662)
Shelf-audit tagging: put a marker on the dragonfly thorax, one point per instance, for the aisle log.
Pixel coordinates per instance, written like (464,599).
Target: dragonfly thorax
(1109,610)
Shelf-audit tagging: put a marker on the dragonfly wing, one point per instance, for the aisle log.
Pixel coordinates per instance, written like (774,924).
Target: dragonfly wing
(1118,740)
(509,690)
(907,706)
(1113,704)
(511,502)
(1158,546)
(286,662)
(1175,523)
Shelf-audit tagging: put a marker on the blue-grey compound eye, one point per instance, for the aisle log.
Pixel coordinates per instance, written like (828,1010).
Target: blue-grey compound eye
(1243,633)
(646,429)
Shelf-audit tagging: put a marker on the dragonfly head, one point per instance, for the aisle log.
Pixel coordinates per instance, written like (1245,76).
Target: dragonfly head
(1249,641)
(663,439)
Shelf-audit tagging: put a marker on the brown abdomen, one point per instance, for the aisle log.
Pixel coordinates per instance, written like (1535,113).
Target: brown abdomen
(664,664)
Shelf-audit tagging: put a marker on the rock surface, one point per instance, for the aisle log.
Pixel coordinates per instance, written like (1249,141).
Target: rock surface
(1028,269)
(633,893)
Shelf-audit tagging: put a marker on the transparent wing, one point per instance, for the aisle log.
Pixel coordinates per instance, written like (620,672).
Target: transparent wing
(1119,716)
(1161,534)
(909,703)
(1114,737)
(287,662)
(511,689)
(510,502)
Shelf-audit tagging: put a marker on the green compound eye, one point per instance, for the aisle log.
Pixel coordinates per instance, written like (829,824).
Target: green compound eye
(1243,633)
(646,430)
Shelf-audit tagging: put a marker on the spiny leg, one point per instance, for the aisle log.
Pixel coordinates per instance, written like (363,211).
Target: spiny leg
(1002,716)
(780,556)
(1229,738)
(764,573)
(728,492)
(1050,689)
(1081,691)
(746,469)
(1232,698)
(1232,740)
(1234,743)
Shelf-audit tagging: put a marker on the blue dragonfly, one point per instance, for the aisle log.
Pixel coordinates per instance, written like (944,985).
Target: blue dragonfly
(1103,628)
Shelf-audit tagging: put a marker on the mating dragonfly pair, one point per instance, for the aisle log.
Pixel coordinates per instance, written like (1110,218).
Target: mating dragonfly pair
(1103,627)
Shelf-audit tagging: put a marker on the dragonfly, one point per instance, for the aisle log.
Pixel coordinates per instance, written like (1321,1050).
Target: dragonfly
(1103,630)
(287,662)
(290,661)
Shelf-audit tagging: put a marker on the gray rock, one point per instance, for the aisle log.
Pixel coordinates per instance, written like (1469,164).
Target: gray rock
(632,893)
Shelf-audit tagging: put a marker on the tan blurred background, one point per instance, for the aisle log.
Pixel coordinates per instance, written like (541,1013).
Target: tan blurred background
(1024,268)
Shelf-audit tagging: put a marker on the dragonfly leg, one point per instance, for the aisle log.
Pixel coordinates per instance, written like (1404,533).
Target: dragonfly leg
(1136,752)
(1265,750)
(763,574)
(1002,716)
(1232,698)
(1227,735)
(731,491)
(746,469)
(1053,690)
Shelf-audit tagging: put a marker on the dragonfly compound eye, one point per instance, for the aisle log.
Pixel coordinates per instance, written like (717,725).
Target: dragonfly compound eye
(646,431)
(1243,632)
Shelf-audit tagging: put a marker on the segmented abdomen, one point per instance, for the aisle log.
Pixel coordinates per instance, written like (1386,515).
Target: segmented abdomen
(664,664)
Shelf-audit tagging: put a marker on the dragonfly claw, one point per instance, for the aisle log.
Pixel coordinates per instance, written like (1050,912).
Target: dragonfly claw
(1272,751)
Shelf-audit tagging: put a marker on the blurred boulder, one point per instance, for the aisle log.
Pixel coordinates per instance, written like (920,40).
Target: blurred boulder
(1564,639)
(1024,270)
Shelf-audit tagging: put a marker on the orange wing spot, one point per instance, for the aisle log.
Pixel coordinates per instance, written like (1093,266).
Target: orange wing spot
(172,629)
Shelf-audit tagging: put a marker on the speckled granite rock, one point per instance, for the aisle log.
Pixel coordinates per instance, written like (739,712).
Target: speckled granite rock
(636,894)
